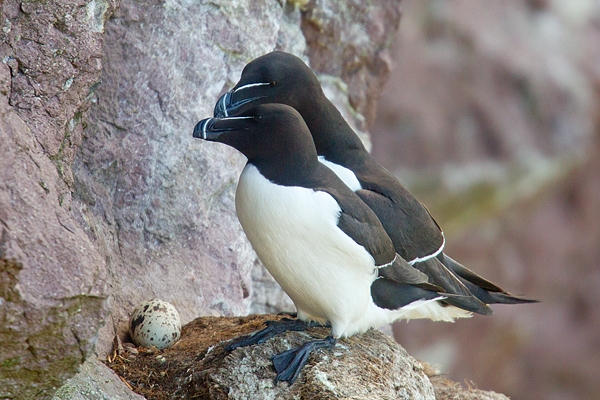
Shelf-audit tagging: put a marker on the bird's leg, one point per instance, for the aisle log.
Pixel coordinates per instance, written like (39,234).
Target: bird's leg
(273,328)
(289,314)
(289,363)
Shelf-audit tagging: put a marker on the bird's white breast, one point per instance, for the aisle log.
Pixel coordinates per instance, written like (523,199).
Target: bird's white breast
(294,232)
(345,174)
(327,275)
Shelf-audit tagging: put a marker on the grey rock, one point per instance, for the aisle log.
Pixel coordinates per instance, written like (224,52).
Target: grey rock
(368,366)
(95,381)
(365,366)
(446,389)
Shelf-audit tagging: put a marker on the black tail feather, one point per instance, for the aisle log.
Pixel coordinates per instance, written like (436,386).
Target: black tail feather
(462,297)
(392,295)
(483,289)
(465,273)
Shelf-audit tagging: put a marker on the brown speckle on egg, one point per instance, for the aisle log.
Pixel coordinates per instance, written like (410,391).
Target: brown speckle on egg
(155,323)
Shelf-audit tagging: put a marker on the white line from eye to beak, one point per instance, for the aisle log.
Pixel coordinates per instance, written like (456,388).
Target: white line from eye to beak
(247,117)
(205,123)
(251,85)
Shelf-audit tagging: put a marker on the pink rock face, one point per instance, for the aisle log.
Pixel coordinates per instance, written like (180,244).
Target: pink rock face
(105,197)
(491,117)
(159,204)
(52,278)
(350,40)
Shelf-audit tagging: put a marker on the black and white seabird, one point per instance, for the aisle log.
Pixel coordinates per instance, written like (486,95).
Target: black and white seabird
(280,77)
(324,246)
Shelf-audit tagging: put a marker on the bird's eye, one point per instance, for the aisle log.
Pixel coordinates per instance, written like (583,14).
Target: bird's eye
(273,83)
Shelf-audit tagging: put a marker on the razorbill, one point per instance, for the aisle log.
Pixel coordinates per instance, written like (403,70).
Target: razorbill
(323,245)
(280,77)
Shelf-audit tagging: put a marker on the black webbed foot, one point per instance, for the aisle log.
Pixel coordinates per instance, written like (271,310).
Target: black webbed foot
(273,328)
(289,363)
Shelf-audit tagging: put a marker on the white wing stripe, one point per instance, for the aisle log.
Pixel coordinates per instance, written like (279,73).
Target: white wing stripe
(421,259)
(388,264)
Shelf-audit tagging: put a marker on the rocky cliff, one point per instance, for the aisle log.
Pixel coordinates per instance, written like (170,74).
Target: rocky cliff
(367,366)
(53,280)
(105,198)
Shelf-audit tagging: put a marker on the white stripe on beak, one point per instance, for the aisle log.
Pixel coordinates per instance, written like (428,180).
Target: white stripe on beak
(224,105)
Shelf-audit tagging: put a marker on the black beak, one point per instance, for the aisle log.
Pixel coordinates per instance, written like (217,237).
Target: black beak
(204,129)
(211,128)
(227,106)
(222,105)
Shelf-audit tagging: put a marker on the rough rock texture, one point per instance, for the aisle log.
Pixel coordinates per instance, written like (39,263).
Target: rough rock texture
(95,382)
(446,389)
(52,279)
(367,366)
(156,202)
(492,116)
(350,40)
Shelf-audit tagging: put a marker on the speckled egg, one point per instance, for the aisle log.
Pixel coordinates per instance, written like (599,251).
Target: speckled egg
(155,323)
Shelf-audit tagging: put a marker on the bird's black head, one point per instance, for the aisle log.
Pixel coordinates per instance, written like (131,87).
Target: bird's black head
(273,137)
(276,77)
(280,77)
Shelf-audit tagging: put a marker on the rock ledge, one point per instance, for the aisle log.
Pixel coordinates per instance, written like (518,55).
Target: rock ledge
(367,366)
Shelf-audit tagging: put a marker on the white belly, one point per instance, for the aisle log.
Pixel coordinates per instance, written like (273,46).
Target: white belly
(327,275)
(294,232)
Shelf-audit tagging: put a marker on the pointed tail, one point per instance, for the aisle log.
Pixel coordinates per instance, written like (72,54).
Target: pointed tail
(483,289)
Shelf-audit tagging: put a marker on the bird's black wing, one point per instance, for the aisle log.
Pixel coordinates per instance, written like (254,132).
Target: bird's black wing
(359,222)
(413,231)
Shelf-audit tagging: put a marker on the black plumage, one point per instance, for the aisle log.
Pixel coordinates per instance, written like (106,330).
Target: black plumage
(280,77)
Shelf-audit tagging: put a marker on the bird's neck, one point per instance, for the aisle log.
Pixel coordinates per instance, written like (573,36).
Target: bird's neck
(287,171)
(332,135)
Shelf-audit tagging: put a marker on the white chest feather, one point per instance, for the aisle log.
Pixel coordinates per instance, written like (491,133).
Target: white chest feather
(346,175)
(327,275)
(294,232)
